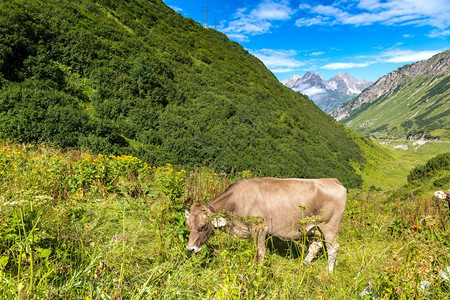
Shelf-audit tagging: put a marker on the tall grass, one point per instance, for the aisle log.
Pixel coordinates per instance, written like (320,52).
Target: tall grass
(82,226)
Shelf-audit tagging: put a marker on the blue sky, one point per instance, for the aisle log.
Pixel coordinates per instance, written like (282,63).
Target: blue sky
(367,38)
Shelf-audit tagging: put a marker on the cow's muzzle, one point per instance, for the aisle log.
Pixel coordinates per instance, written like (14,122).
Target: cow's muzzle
(193,249)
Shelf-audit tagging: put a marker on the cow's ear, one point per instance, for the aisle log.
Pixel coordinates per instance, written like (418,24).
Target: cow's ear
(219,222)
(187,214)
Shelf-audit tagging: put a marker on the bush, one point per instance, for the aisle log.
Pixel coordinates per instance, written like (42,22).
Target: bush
(438,163)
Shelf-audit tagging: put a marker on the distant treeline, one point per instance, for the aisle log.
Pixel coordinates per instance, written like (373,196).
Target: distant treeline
(136,78)
(438,163)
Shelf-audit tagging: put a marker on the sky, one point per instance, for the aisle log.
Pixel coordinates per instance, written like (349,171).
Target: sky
(366,38)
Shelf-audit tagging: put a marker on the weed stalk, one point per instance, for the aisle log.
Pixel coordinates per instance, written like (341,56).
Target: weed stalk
(123,249)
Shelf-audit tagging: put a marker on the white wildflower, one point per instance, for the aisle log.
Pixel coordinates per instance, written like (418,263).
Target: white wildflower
(445,274)
(423,285)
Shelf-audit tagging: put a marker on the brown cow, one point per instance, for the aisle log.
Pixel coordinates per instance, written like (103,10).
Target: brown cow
(443,196)
(281,204)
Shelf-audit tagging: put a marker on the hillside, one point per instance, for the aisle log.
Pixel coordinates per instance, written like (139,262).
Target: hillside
(327,94)
(411,102)
(136,78)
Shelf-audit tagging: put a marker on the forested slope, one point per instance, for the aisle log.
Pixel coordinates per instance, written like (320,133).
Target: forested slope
(134,77)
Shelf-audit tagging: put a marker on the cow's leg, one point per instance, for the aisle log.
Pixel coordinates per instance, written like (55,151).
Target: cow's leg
(312,250)
(332,249)
(330,234)
(259,235)
(313,232)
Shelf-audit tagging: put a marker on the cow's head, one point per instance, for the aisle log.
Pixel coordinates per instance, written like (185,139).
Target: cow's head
(201,226)
(440,194)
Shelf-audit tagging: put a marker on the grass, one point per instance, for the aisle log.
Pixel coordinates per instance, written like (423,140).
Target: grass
(82,226)
(406,160)
(387,167)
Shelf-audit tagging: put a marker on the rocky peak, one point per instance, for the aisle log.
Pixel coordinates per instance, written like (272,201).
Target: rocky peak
(348,84)
(327,94)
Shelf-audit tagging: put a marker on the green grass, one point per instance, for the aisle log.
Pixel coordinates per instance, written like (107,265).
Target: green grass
(405,160)
(387,166)
(417,108)
(81,226)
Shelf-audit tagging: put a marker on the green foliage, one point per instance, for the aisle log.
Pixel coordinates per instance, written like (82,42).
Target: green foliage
(135,78)
(104,170)
(438,163)
(416,274)
(424,180)
(172,183)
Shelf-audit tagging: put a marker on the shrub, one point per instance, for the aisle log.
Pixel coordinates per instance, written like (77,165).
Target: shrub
(440,162)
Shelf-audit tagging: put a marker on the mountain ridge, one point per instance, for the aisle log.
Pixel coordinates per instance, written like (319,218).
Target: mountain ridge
(387,84)
(417,93)
(327,94)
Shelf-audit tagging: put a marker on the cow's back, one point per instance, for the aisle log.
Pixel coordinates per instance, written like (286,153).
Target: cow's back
(283,202)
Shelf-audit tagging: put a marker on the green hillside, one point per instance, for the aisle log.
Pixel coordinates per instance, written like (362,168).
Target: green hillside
(134,77)
(420,107)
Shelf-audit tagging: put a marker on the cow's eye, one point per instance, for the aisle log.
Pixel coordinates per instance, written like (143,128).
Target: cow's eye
(203,228)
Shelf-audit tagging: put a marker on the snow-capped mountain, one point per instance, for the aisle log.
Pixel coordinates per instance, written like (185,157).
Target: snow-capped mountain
(327,94)
(348,84)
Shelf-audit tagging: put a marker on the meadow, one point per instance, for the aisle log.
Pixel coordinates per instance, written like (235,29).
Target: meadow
(77,225)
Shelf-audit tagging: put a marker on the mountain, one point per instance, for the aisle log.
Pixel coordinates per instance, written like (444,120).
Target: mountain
(327,94)
(134,77)
(410,102)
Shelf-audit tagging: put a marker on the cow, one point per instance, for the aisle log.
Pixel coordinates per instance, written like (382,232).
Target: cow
(286,209)
(443,196)
(440,194)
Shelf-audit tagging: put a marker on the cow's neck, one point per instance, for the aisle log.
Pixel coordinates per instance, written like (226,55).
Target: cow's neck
(221,203)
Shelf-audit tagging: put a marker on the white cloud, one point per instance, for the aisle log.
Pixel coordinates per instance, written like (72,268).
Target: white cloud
(304,6)
(405,56)
(312,21)
(176,8)
(389,56)
(259,20)
(312,91)
(271,10)
(246,26)
(369,4)
(435,13)
(439,33)
(317,53)
(328,11)
(344,66)
(278,61)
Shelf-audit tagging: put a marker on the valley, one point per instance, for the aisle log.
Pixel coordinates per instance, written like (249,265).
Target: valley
(412,102)
(406,155)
